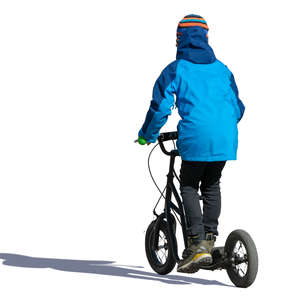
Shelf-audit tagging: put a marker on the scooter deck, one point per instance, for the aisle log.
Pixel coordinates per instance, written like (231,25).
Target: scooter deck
(219,259)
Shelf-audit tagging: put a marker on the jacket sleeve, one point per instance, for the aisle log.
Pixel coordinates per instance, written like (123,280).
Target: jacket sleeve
(160,105)
(240,104)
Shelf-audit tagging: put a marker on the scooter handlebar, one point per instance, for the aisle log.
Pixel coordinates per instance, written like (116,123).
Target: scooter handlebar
(166,136)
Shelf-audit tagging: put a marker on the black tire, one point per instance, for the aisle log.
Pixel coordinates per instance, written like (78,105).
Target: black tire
(156,263)
(237,274)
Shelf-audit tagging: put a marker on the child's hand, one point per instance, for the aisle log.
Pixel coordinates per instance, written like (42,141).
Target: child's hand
(142,141)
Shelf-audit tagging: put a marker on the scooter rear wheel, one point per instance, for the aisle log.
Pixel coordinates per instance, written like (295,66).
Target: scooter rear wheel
(159,257)
(243,258)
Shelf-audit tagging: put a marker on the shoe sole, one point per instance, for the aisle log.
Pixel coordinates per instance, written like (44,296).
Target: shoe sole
(200,259)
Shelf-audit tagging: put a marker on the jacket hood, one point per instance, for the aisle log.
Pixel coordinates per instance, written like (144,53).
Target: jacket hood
(192,45)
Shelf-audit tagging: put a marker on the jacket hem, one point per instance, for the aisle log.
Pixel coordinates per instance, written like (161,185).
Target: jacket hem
(210,158)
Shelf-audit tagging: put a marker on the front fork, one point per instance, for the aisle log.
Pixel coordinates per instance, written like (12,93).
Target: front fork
(167,212)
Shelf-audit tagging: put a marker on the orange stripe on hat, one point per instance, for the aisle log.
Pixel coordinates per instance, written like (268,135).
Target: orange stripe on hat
(193,24)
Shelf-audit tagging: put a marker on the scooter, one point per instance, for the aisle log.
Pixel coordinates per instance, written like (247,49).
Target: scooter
(238,257)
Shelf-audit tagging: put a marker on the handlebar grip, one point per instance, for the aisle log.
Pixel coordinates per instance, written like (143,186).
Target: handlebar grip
(141,140)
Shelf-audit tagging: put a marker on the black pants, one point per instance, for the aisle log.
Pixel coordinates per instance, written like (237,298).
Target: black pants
(209,174)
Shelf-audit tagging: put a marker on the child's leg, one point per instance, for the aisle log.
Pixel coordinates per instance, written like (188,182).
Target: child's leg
(190,175)
(210,189)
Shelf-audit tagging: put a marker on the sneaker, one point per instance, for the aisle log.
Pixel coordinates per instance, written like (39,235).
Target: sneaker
(197,254)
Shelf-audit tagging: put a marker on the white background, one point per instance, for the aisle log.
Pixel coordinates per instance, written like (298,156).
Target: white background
(76,79)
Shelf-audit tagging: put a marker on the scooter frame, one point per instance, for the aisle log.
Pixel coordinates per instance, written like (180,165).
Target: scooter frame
(220,259)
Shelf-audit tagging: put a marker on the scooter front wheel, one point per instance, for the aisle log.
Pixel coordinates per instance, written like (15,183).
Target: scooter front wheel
(158,253)
(242,258)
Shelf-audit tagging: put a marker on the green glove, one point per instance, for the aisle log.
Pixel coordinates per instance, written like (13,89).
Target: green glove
(141,140)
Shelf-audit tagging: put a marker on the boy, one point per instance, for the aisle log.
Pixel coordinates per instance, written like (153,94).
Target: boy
(209,106)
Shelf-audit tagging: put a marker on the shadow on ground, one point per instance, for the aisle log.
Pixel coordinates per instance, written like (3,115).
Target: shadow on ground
(101,267)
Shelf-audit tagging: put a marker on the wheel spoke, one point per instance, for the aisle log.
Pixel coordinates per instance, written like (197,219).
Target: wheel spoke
(246,267)
(157,255)
(240,245)
(164,253)
(242,271)
(159,258)
(160,239)
(162,250)
(239,253)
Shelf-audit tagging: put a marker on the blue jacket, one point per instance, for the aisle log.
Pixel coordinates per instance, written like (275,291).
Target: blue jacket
(206,97)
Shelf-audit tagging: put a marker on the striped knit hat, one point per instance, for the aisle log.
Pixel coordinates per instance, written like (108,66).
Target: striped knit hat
(193,20)
(190,21)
